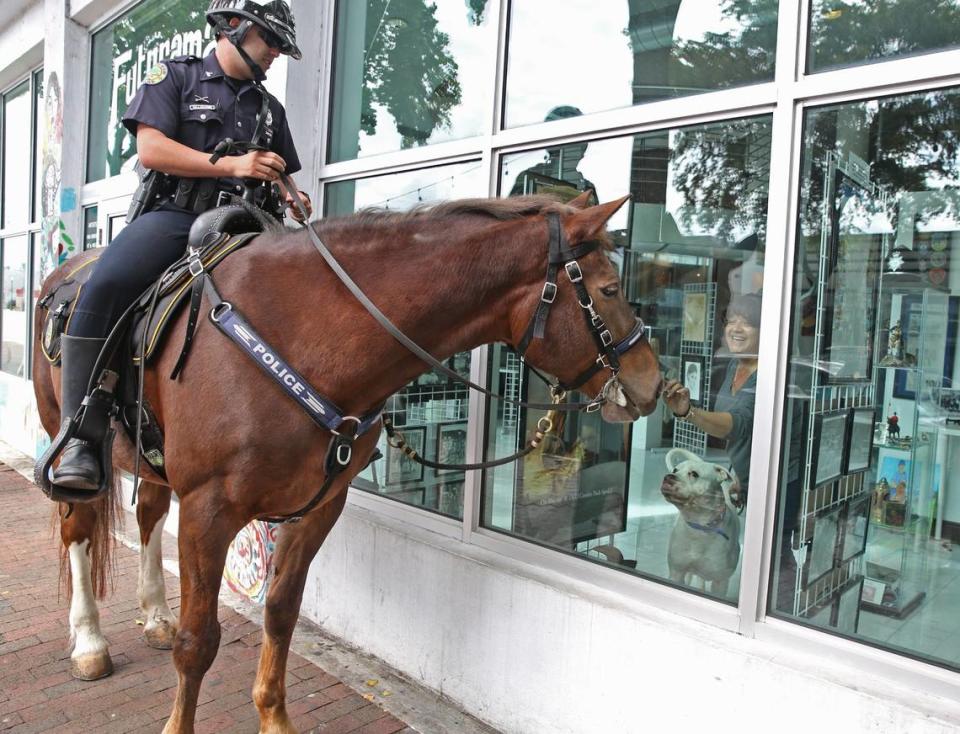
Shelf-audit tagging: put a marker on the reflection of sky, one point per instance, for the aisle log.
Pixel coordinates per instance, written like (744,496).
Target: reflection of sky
(581,53)
(405,190)
(570,53)
(16,149)
(472,47)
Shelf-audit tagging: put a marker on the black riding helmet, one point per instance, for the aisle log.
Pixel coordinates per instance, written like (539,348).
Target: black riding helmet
(274,18)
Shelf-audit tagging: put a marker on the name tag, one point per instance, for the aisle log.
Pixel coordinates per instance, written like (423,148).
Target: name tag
(203,107)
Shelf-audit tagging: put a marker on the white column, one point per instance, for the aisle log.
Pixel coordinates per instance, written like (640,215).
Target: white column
(62,145)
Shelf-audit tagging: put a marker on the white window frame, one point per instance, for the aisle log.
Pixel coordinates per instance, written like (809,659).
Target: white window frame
(786,98)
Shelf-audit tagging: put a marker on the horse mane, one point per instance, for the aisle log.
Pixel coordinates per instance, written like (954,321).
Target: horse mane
(514,207)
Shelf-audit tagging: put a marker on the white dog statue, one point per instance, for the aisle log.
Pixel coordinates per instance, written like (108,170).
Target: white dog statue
(705,541)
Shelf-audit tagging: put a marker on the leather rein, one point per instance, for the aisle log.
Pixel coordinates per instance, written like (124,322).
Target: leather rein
(561,255)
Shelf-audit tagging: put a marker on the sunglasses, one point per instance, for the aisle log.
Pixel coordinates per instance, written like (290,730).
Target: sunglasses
(271,39)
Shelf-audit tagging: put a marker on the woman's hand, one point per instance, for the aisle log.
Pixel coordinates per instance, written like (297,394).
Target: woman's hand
(676,397)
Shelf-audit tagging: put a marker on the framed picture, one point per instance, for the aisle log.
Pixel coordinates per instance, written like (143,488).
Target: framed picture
(401,469)
(451,499)
(855,527)
(937,331)
(695,317)
(820,558)
(693,378)
(873,591)
(859,451)
(850,300)
(829,446)
(848,613)
(895,469)
(451,445)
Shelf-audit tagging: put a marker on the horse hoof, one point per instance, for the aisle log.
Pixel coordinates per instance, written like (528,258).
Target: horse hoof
(92,666)
(161,635)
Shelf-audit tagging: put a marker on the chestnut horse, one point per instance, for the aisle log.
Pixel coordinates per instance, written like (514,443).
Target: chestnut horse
(451,276)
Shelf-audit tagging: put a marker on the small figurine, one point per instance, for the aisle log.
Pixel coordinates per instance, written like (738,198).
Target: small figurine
(893,426)
(894,355)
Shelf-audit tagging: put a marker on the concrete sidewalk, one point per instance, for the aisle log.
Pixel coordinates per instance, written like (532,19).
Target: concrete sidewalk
(37,692)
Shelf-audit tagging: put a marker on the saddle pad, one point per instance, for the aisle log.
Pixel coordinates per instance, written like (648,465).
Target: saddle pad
(174,291)
(60,302)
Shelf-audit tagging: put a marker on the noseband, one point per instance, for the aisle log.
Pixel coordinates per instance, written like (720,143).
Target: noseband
(608,356)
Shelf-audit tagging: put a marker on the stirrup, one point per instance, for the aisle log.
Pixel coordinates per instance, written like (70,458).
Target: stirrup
(43,469)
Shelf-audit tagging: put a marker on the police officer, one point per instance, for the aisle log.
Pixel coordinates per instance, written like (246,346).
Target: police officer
(185,107)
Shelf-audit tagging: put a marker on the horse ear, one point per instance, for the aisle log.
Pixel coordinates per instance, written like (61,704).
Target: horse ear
(587,223)
(582,201)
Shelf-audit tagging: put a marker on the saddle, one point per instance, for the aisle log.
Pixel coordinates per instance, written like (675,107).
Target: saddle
(141,330)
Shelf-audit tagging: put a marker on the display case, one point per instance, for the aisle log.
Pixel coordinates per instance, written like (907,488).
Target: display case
(912,337)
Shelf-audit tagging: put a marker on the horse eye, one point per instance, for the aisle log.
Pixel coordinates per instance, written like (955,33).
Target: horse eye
(610,290)
(694,475)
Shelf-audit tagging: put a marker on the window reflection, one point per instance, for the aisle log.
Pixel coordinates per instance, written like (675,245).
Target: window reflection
(14,295)
(856,32)
(663,495)
(432,411)
(409,73)
(866,517)
(600,56)
(17,162)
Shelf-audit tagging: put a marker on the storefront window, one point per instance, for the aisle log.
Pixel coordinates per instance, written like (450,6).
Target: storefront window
(859,31)
(867,515)
(660,497)
(17,162)
(37,147)
(592,56)
(409,73)
(123,53)
(431,412)
(13,296)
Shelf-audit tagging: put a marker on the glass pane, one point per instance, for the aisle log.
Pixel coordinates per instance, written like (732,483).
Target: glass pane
(123,52)
(115,226)
(859,31)
(581,56)
(690,249)
(865,514)
(91,231)
(17,162)
(37,149)
(13,296)
(410,72)
(432,411)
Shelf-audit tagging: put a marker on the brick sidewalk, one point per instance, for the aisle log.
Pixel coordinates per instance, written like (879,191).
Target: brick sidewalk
(37,692)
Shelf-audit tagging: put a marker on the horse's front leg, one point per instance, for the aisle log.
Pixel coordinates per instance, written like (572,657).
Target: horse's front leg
(296,548)
(86,551)
(206,529)
(159,623)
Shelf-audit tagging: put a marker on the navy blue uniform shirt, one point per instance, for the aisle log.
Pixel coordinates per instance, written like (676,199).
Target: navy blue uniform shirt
(192,101)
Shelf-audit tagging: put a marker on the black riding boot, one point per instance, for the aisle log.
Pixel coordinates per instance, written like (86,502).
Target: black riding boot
(80,461)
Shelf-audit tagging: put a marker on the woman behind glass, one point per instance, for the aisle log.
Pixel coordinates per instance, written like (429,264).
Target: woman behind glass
(732,415)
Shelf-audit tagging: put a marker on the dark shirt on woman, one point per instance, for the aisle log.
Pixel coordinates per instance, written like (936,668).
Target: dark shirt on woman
(740,406)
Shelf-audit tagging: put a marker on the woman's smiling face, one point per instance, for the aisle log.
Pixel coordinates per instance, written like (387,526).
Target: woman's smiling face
(742,337)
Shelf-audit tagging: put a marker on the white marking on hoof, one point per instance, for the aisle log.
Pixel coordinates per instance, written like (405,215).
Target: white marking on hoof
(89,658)
(159,622)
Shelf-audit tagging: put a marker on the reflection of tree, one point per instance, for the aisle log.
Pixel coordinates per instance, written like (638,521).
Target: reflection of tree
(408,69)
(744,55)
(722,173)
(911,144)
(128,33)
(858,30)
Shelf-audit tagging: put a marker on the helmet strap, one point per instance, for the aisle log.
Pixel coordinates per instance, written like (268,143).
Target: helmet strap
(236,36)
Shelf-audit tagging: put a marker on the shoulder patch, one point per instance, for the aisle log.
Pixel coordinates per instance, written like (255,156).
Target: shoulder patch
(156,75)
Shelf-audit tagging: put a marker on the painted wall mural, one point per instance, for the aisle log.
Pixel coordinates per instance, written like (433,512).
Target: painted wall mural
(57,243)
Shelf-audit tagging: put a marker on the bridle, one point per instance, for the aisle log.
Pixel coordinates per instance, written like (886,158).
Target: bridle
(608,356)
(560,254)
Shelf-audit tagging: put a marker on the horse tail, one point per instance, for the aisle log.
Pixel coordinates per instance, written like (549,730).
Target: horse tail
(102,516)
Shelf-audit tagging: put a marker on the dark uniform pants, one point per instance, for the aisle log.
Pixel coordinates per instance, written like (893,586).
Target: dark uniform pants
(135,259)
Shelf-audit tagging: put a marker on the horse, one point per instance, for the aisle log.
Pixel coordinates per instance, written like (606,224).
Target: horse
(452,276)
